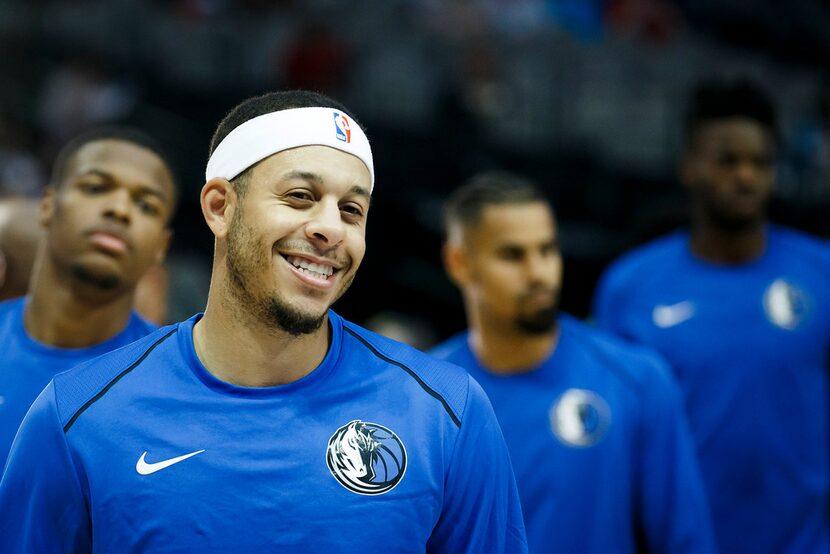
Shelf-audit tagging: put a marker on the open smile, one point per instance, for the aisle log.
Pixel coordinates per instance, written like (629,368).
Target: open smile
(314,272)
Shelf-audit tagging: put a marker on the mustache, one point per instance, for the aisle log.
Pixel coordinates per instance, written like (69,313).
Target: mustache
(533,290)
(299,246)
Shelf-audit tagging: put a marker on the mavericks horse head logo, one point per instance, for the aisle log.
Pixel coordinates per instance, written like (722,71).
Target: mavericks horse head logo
(366,458)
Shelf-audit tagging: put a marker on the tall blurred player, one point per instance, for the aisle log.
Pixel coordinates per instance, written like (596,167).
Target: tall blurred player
(741,310)
(106,218)
(601,451)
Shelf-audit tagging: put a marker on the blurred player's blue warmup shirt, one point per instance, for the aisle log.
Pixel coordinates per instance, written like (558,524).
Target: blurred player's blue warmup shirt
(26,366)
(749,346)
(379,449)
(602,455)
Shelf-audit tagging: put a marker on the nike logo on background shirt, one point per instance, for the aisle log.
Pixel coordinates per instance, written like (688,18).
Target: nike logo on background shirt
(670,315)
(144,468)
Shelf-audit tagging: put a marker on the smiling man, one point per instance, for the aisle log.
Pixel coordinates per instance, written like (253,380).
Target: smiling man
(741,309)
(105,219)
(269,423)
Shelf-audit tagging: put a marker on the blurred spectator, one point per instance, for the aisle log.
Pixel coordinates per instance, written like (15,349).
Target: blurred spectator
(79,94)
(652,21)
(810,151)
(406,328)
(20,171)
(20,232)
(317,59)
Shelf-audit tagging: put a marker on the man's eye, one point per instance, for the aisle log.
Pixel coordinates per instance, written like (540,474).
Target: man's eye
(303,195)
(352,209)
(510,254)
(92,188)
(148,208)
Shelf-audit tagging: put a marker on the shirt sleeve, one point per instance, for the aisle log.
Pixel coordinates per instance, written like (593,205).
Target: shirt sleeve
(42,506)
(674,512)
(481,510)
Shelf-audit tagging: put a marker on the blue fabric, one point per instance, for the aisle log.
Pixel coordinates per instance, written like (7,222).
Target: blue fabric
(275,469)
(601,452)
(748,344)
(26,366)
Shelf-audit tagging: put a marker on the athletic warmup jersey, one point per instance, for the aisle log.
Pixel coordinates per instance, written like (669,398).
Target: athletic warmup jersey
(601,451)
(26,366)
(379,449)
(749,346)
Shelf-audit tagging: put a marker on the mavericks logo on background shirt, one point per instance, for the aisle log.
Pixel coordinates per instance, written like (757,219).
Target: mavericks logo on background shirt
(580,417)
(366,458)
(784,304)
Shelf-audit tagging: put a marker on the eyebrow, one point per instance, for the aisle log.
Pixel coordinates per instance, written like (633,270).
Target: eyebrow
(144,189)
(317,180)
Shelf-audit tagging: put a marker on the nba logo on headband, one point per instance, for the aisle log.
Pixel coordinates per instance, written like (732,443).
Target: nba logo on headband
(341,126)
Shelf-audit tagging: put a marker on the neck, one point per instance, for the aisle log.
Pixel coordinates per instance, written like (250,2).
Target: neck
(505,350)
(66,314)
(717,245)
(239,349)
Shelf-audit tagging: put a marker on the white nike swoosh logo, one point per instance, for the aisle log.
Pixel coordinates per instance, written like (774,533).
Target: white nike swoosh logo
(144,468)
(674,314)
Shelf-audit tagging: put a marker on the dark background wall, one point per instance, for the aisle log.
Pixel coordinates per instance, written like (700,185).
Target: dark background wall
(583,96)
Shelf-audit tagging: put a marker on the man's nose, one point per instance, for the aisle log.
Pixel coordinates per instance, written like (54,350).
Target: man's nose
(118,205)
(539,268)
(326,226)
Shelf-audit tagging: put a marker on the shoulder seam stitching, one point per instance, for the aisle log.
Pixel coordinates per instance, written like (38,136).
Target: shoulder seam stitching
(432,392)
(118,377)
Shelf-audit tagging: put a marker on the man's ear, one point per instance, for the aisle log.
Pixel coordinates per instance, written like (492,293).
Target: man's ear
(456,263)
(219,202)
(47,206)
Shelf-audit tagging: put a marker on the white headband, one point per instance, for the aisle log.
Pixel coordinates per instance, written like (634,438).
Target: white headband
(258,138)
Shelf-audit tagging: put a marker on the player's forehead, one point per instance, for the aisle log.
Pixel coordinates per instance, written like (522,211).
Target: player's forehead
(738,134)
(525,224)
(121,160)
(321,167)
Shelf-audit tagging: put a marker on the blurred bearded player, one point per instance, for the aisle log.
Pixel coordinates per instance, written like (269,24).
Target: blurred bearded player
(595,429)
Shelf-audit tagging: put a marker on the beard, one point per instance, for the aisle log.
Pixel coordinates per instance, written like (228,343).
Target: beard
(540,322)
(717,211)
(734,224)
(243,264)
(102,282)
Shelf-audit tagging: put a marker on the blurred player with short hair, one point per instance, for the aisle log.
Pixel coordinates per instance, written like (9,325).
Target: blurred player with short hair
(602,454)
(740,308)
(105,218)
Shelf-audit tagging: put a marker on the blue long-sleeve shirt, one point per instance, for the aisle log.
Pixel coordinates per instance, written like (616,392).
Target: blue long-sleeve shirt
(748,344)
(379,449)
(601,450)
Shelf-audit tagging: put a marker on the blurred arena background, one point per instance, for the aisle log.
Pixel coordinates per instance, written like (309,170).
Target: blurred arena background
(583,96)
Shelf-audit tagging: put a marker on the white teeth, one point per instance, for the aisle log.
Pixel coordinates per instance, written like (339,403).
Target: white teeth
(320,271)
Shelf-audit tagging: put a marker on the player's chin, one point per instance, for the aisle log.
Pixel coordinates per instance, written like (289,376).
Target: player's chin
(103,278)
